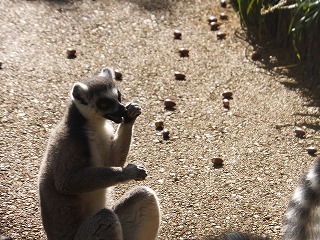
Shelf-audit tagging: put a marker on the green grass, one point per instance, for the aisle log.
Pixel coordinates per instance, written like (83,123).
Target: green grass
(260,16)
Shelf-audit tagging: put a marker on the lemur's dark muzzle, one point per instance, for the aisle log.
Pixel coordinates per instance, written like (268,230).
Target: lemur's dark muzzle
(118,115)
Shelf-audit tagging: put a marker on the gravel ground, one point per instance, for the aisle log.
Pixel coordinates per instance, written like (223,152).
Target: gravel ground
(263,159)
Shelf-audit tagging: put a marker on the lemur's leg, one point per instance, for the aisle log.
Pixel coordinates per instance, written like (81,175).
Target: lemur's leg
(104,225)
(139,213)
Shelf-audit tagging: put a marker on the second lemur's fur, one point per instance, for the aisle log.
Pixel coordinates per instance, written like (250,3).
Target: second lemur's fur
(302,219)
(84,157)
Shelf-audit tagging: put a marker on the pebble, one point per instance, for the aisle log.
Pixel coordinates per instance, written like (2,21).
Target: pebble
(71,53)
(177,34)
(184,52)
(117,74)
(1,65)
(311,150)
(179,75)
(299,131)
(168,103)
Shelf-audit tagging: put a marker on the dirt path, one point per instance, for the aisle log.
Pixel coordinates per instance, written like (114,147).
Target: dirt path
(263,157)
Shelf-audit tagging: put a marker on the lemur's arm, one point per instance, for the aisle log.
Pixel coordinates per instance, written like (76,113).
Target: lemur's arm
(92,178)
(123,135)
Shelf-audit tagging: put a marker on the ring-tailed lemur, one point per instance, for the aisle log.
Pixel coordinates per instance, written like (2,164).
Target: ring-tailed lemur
(302,219)
(84,157)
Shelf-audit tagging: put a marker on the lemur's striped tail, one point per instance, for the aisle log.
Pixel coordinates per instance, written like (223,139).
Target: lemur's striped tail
(302,219)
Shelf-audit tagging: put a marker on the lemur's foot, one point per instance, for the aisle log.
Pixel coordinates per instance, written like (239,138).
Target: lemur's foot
(133,111)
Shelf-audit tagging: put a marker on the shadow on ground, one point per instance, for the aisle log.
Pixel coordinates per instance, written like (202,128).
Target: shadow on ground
(284,62)
(149,5)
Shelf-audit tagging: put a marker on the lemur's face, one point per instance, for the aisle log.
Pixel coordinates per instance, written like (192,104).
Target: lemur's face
(99,98)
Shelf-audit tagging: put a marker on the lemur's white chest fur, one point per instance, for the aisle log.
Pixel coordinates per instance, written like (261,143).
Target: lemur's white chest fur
(100,136)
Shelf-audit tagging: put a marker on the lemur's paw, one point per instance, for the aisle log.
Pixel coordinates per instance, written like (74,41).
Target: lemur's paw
(133,111)
(135,172)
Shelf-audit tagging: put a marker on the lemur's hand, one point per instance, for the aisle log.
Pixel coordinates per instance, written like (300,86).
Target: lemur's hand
(135,172)
(133,111)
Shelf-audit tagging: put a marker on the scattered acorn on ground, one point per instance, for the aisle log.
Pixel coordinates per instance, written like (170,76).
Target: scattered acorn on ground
(221,35)
(177,34)
(223,16)
(169,103)
(165,133)
(71,53)
(159,124)
(227,94)
(226,103)
(183,52)
(223,3)
(212,19)
(217,161)
(179,75)
(300,132)
(311,150)
(214,26)
(117,74)
(255,55)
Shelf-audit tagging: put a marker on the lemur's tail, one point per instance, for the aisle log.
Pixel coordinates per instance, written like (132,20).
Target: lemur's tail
(302,219)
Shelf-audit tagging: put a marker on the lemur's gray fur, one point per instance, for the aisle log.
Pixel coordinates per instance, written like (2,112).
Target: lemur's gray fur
(84,157)
(302,219)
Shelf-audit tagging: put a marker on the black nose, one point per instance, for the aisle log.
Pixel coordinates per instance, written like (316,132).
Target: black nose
(117,115)
(122,110)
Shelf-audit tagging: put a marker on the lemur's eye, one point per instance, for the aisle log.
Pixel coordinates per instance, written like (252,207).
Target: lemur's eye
(104,103)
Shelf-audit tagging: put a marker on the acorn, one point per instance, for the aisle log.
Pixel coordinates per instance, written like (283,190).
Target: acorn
(300,132)
(255,55)
(71,53)
(311,150)
(226,103)
(179,75)
(117,74)
(159,124)
(214,26)
(177,34)
(168,103)
(223,3)
(165,133)
(221,35)
(184,52)
(227,94)
(212,19)
(217,161)
(223,16)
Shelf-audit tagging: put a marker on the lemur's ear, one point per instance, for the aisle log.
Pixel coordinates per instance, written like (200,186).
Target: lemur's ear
(79,93)
(107,73)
